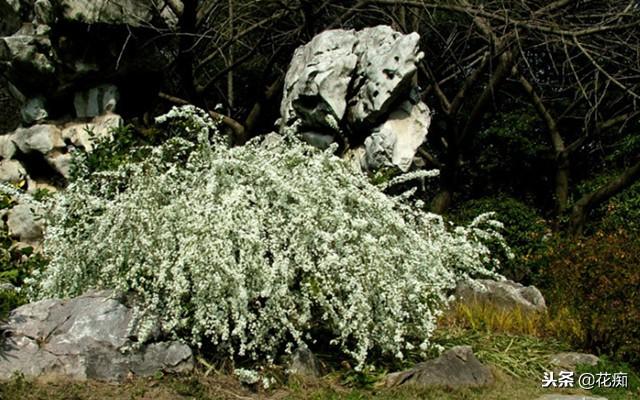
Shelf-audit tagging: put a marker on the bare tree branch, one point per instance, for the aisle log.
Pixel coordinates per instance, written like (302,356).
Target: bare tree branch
(236,127)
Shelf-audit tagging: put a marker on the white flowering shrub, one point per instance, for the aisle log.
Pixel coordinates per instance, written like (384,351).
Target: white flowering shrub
(254,249)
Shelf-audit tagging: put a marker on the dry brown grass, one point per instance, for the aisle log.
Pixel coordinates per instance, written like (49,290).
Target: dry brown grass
(224,387)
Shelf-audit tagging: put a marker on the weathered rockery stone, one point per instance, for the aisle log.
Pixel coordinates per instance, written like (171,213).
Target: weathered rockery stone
(317,82)
(396,137)
(56,51)
(96,101)
(83,338)
(134,13)
(40,138)
(85,134)
(385,72)
(24,225)
(12,171)
(345,86)
(54,143)
(7,287)
(61,162)
(455,368)
(44,13)
(503,294)
(7,147)
(27,57)
(570,360)
(34,110)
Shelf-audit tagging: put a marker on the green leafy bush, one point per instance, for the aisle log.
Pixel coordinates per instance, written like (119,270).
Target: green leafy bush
(598,278)
(109,153)
(16,265)
(620,212)
(623,211)
(526,233)
(256,249)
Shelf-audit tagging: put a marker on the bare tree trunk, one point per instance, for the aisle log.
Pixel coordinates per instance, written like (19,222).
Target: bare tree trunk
(256,110)
(561,191)
(562,182)
(500,73)
(449,175)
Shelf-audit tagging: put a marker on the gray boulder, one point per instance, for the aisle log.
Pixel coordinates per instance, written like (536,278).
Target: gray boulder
(35,185)
(134,13)
(28,57)
(5,286)
(319,140)
(41,138)
(83,338)
(63,47)
(170,14)
(12,171)
(7,147)
(85,134)
(503,294)
(455,368)
(55,143)
(44,12)
(397,140)
(387,65)
(60,162)
(23,224)
(317,81)
(347,85)
(34,110)
(570,360)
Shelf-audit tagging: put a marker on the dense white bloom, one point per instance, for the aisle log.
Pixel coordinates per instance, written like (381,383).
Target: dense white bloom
(249,376)
(410,176)
(254,248)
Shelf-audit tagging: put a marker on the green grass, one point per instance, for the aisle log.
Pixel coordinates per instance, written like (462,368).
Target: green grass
(632,391)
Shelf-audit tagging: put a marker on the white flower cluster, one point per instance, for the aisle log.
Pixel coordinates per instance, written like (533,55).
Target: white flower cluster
(258,248)
(247,376)
(410,176)
(193,121)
